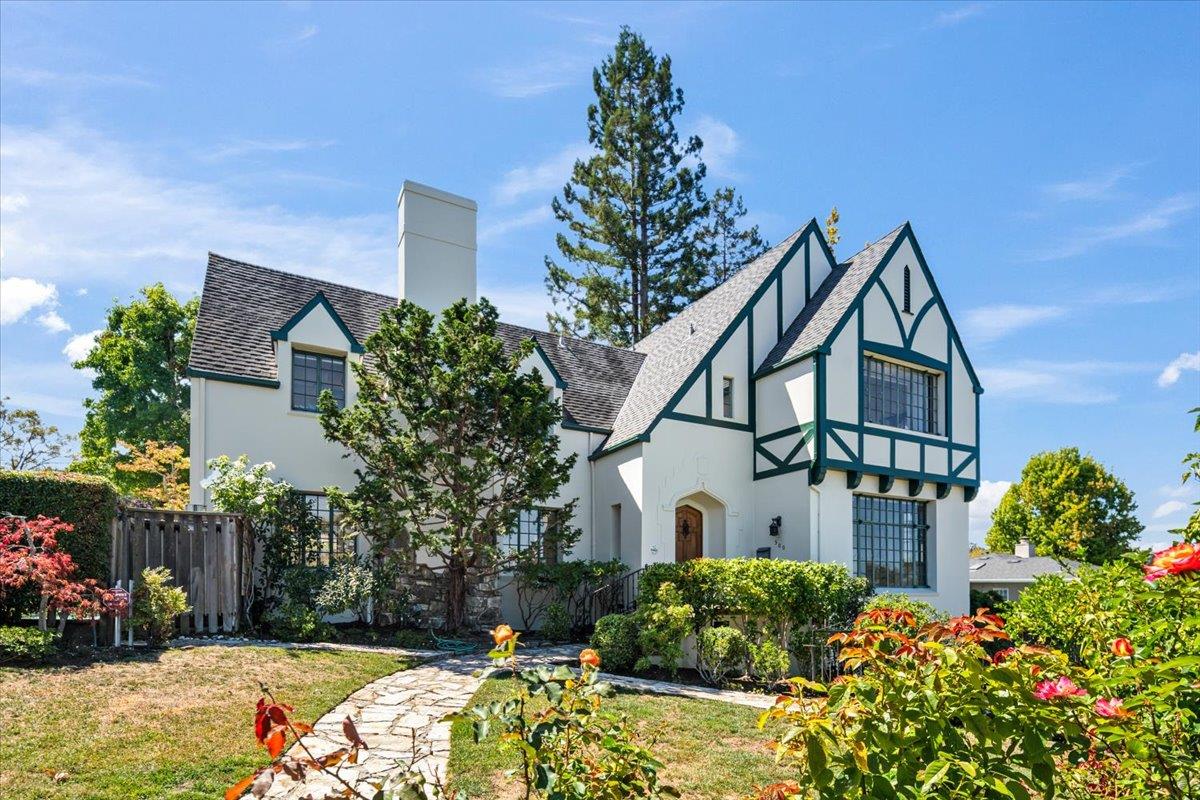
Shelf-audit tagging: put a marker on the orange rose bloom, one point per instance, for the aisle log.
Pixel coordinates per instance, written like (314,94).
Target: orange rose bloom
(1122,647)
(1175,560)
(589,658)
(502,634)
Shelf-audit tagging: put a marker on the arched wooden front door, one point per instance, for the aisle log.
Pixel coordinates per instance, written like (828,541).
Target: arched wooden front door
(689,533)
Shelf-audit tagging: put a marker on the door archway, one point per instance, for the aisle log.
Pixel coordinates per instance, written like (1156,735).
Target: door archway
(689,533)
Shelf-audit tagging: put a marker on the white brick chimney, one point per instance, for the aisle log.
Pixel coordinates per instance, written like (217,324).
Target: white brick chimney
(1024,549)
(436,247)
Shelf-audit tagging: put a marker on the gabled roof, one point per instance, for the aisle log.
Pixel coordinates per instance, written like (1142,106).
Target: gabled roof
(244,304)
(833,298)
(1006,567)
(677,347)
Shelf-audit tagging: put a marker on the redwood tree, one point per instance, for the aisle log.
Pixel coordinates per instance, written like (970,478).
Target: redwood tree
(454,442)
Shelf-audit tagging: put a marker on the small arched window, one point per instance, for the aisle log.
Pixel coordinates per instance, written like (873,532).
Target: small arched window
(907,290)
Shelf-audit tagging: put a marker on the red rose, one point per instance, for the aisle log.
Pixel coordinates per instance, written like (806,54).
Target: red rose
(1122,647)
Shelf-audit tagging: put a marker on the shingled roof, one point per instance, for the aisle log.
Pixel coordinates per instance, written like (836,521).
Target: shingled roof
(829,304)
(1009,568)
(243,303)
(675,349)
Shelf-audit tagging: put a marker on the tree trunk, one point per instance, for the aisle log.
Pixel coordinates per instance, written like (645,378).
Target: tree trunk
(456,593)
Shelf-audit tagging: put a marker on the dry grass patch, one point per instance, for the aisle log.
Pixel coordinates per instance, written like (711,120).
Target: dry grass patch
(712,750)
(172,723)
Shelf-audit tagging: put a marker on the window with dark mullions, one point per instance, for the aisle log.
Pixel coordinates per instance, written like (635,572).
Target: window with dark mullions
(530,530)
(334,541)
(313,373)
(900,396)
(890,542)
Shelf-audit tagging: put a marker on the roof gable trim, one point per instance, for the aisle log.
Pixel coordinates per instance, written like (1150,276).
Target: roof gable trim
(318,299)
(559,383)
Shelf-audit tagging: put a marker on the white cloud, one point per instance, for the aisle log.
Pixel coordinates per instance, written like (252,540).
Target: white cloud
(988,323)
(1057,382)
(19,296)
(546,177)
(1173,371)
(532,80)
(53,323)
(81,291)
(1168,508)
(981,508)
(245,147)
(1160,217)
(491,230)
(78,346)
(42,78)
(1094,187)
(89,199)
(721,145)
(13,203)
(308,32)
(954,16)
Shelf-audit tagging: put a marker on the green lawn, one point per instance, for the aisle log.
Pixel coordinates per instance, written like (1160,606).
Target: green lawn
(172,723)
(711,749)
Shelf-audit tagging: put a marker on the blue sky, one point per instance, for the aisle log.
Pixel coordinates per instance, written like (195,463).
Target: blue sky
(1048,157)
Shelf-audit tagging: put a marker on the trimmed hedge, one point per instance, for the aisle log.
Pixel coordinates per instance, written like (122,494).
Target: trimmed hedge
(86,501)
(799,592)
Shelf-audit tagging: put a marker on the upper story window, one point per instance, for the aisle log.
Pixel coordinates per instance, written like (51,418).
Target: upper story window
(313,373)
(890,542)
(727,397)
(900,396)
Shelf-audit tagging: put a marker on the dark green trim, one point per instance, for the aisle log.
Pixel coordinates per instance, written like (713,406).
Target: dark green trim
(772,473)
(943,490)
(559,383)
(965,463)
(708,391)
(574,426)
(915,486)
(931,440)
(904,354)
(969,492)
(266,383)
(769,456)
(802,428)
(796,450)
(871,469)
(604,451)
(853,479)
(318,299)
(710,421)
(808,275)
(886,482)
(847,449)
(782,365)
(819,404)
(816,475)
(778,310)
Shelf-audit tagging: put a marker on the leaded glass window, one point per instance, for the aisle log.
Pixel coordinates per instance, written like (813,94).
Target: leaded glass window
(900,396)
(530,530)
(334,539)
(313,373)
(890,540)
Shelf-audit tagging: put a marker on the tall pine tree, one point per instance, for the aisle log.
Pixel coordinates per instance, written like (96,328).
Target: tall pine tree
(633,210)
(726,247)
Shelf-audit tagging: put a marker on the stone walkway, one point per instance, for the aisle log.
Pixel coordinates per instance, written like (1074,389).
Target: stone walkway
(398,716)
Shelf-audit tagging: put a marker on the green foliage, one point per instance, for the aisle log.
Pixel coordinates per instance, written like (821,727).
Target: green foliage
(1191,472)
(300,584)
(448,427)
(142,392)
(987,598)
(350,587)
(556,623)
(721,653)
(20,643)
(726,249)
(769,663)
(633,209)
(923,613)
(27,443)
(87,502)
(784,592)
(156,604)
(540,583)
(616,640)
(573,749)
(1069,507)
(663,625)
(293,622)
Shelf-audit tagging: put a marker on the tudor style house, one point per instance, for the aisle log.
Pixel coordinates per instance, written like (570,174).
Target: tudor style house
(805,409)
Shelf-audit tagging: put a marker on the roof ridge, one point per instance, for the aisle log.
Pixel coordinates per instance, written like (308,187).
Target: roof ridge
(288,274)
(894,231)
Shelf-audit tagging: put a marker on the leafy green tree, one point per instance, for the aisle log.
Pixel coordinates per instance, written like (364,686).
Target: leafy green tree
(25,441)
(1191,471)
(138,366)
(726,247)
(633,210)
(1068,506)
(454,442)
(832,233)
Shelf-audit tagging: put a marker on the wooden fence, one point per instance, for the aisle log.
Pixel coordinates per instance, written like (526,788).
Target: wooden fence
(208,555)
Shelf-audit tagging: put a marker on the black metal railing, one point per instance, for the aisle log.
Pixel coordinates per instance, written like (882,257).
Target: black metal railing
(618,596)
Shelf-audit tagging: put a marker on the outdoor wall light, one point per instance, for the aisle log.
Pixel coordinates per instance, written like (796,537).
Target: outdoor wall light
(776,526)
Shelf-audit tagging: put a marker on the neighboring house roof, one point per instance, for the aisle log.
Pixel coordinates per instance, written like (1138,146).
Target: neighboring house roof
(821,314)
(1009,568)
(243,304)
(677,347)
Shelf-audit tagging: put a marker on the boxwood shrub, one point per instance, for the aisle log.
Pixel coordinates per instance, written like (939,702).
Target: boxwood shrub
(616,640)
(795,592)
(87,502)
